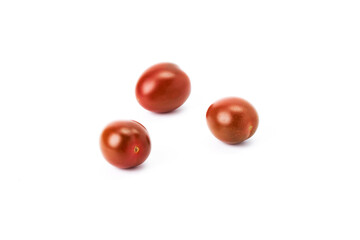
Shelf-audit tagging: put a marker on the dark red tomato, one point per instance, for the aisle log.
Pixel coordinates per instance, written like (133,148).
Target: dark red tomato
(163,88)
(125,144)
(232,120)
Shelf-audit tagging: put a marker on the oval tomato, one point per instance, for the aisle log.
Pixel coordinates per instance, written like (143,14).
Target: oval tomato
(163,88)
(232,120)
(125,144)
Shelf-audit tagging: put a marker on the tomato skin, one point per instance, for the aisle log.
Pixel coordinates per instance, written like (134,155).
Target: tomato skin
(232,120)
(163,88)
(125,144)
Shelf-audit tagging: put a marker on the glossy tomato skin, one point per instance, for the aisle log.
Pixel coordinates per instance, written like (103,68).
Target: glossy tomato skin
(163,88)
(125,144)
(232,120)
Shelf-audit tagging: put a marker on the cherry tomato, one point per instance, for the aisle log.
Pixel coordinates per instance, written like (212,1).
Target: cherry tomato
(163,88)
(232,120)
(125,144)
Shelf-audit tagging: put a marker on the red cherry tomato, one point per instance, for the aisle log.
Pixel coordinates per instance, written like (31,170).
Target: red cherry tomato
(232,120)
(125,144)
(163,88)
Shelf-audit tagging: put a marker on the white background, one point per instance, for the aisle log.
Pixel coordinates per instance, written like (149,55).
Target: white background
(68,68)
